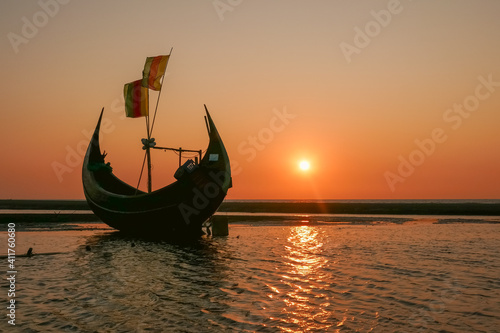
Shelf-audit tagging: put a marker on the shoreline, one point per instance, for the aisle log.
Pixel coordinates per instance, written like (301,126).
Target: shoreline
(86,221)
(403,207)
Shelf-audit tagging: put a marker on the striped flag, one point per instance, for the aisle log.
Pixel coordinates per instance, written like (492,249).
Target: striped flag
(154,69)
(136,99)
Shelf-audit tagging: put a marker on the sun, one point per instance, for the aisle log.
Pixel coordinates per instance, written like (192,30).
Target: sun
(304,165)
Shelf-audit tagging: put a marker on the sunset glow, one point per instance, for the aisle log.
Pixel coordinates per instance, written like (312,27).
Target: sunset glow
(393,109)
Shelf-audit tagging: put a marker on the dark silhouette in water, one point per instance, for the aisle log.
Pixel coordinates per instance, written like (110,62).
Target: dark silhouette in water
(170,212)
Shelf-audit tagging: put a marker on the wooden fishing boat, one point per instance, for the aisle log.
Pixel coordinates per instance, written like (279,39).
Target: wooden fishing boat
(176,210)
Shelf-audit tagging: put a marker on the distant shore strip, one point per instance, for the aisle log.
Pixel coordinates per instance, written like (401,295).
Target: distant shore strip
(75,208)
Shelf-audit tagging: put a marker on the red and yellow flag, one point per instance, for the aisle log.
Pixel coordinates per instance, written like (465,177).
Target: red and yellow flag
(136,99)
(154,69)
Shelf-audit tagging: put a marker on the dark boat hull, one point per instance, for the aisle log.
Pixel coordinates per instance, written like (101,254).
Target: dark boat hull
(177,210)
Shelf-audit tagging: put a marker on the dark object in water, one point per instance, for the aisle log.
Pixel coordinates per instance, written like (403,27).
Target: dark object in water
(176,210)
(220,225)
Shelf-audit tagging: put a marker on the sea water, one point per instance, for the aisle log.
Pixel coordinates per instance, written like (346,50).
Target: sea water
(382,277)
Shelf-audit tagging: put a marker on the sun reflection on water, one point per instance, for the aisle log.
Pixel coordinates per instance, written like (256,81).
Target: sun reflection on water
(304,249)
(304,277)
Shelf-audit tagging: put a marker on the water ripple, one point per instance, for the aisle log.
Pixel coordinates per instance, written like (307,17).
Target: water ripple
(418,278)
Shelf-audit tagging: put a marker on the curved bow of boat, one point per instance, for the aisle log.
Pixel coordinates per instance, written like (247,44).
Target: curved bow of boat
(97,175)
(216,146)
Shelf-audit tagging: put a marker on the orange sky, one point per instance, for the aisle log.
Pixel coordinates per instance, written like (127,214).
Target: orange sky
(386,99)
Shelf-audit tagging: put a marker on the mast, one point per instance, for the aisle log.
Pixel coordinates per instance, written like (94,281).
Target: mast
(148,154)
(150,129)
(159,93)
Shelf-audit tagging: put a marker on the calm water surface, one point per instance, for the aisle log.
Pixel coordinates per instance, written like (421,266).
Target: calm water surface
(382,278)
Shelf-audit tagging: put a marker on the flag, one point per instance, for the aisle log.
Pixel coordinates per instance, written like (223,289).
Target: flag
(136,99)
(154,69)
